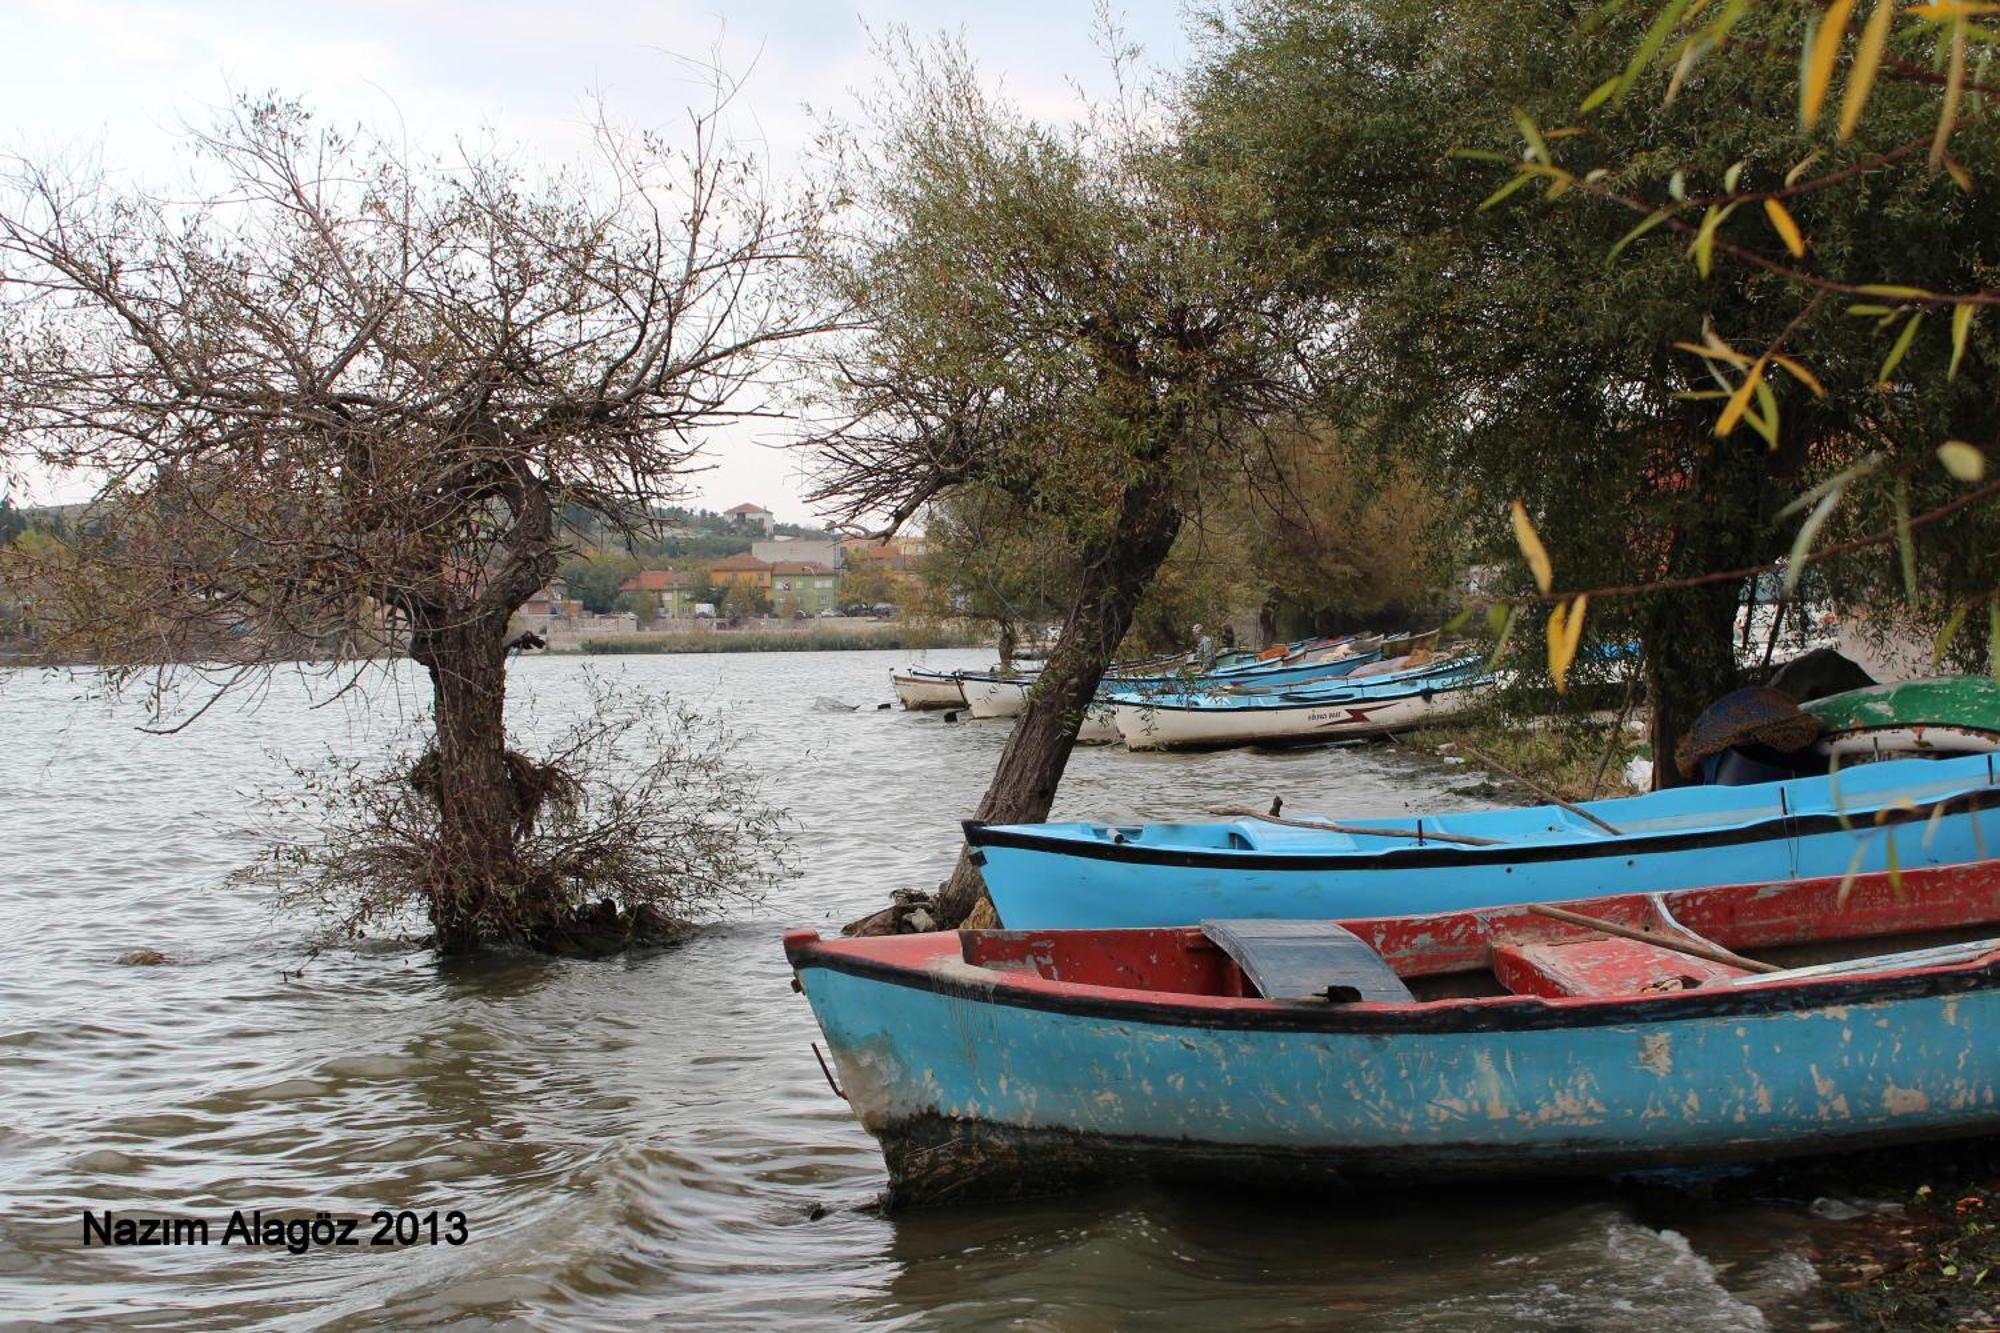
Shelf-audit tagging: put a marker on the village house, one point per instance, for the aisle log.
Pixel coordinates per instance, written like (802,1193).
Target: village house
(804,586)
(662,594)
(552,602)
(745,571)
(752,517)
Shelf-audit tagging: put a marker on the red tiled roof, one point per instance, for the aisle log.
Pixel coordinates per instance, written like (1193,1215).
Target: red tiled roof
(656,580)
(739,564)
(800,567)
(747,509)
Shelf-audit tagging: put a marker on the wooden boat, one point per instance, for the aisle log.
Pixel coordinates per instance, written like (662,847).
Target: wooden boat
(992,695)
(1333,710)
(1484,1043)
(918,689)
(1947,715)
(1873,817)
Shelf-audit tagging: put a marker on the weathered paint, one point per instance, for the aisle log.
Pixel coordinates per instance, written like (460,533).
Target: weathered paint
(1007,1076)
(1084,875)
(1945,715)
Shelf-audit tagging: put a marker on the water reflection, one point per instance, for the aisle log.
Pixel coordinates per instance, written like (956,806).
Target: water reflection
(649,1138)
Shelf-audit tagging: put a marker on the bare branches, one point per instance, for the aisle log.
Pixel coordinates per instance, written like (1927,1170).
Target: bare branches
(345,389)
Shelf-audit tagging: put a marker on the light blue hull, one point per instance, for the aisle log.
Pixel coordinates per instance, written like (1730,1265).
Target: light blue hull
(1083,875)
(971,1094)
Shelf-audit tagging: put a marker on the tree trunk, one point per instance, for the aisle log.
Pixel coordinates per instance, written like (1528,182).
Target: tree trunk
(1690,653)
(481,809)
(1116,573)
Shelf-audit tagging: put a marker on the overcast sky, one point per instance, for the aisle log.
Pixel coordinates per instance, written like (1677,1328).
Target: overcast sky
(128,73)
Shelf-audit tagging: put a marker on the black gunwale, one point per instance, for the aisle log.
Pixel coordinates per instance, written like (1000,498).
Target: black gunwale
(1434,855)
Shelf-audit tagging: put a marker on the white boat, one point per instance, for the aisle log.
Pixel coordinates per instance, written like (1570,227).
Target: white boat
(918,689)
(996,696)
(1098,727)
(1164,723)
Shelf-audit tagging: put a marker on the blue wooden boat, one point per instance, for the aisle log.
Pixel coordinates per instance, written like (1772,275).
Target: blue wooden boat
(1904,813)
(1317,711)
(1492,1042)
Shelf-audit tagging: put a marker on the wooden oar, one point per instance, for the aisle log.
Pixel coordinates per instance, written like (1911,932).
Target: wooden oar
(1357,830)
(1543,792)
(1712,952)
(1943,955)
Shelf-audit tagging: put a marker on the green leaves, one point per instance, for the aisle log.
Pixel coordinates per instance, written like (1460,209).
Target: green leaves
(1952,625)
(1962,316)
(1897,350)
(1795,563)
(1652,220)
(1906,544)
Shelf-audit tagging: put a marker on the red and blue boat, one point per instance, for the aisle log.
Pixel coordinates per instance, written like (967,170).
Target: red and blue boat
(1700,1025)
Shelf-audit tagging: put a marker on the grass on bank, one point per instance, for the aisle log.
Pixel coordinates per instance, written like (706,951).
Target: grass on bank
(1579,759)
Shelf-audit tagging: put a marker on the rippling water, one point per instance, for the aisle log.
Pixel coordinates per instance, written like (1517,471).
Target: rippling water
(650,1139)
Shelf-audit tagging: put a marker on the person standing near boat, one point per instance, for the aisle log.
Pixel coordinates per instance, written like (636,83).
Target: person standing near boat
(1204,651)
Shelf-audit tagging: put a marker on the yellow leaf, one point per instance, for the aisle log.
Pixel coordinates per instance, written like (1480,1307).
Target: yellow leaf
(1714,353)
(1954,90)
(1565,633)
(1961,329)
(1963,461)
(1722,349)
(1532,549)
(1801,374)
(1867,59)
(1959,175)
(1787,229)
(1732,411)
(1891,289)
(1820,59)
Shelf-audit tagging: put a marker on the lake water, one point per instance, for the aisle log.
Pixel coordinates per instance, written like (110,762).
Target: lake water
(649,1140)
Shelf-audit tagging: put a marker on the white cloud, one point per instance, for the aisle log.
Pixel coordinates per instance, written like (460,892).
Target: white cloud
(128,73)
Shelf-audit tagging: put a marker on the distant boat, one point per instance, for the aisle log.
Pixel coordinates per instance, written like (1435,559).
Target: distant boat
(918,689)
(1907,813)
(1946,715)
(1490,1043)
(995,695)
(1310,712)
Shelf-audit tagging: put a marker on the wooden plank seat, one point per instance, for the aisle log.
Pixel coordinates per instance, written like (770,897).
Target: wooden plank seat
(1302,960)
(1602,965)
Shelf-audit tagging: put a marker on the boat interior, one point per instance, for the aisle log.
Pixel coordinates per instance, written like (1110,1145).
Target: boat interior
(1625,946)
